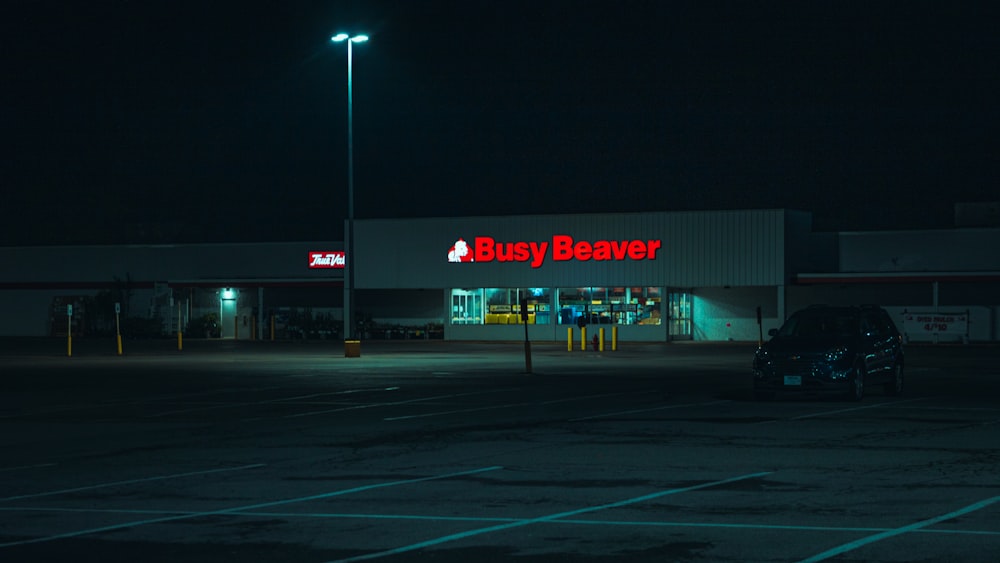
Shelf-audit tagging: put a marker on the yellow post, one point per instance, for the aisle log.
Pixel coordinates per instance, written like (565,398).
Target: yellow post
(118,333)
(180,332)
(614,338)
(583,338)
(569,339)
(272,328)
(69,335)
(601,345)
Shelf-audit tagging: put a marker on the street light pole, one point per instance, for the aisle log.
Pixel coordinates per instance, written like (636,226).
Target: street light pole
(349,324)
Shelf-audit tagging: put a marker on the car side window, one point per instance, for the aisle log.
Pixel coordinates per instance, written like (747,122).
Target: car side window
(870,325)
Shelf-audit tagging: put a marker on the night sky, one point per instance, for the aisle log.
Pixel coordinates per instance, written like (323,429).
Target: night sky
(200,121)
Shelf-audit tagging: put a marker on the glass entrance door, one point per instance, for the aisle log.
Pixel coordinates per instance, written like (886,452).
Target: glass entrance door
(466,306)
(679,311)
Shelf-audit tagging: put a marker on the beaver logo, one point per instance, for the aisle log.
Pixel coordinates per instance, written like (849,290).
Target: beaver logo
(460,252)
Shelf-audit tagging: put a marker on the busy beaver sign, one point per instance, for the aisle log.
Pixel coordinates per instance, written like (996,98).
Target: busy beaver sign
(561,248)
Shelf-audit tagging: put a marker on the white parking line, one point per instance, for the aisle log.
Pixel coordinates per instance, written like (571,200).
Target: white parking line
(839,411)
(126,403)
(660,408)
(441,518)
(509,405)
(540,519)
(850,546)
(393,403)
(23,467)
(265,402)
(238,509)
(132,481)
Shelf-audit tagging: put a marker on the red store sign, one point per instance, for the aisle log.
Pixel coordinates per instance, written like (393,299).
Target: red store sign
(332,259)
(561,248)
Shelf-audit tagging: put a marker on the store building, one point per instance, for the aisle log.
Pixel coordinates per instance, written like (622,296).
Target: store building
(654,277)
(210,290)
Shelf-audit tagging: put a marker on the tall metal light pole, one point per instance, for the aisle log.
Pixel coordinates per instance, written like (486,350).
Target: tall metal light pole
(349,324)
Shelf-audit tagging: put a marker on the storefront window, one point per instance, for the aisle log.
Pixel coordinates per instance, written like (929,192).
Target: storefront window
(503,305)
(621,305)
(609,305)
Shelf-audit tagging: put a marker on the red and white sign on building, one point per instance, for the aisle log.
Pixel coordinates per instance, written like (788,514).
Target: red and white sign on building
(560,249)
(329,259)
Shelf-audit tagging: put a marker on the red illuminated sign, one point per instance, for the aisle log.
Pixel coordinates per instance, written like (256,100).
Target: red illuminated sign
(334,259)
(563,248)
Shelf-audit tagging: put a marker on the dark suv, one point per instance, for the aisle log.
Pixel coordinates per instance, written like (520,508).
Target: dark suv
(830,350)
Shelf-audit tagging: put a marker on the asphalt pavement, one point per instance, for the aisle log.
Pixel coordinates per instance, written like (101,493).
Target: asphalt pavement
(454,452)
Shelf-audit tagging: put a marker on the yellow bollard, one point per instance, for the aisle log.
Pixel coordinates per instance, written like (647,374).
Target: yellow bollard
(583,338)
(601,345)
(69,345)
(569,339)
(118,329)
(180,340)
(614,338)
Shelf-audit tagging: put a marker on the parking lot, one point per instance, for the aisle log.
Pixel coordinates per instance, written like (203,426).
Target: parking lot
(451,452)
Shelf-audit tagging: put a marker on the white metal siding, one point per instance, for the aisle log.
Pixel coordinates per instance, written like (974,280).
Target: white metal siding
(711,248)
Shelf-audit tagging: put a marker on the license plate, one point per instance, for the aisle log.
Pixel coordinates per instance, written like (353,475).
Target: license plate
(793,380)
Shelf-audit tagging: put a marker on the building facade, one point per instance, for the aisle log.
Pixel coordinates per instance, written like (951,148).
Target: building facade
(653,277)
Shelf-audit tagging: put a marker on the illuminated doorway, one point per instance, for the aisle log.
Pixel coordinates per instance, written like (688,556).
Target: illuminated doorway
(679,315)
(227,312)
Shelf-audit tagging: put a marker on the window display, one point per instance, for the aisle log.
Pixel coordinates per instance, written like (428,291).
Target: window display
(610,305)
(503,305)
(637,306)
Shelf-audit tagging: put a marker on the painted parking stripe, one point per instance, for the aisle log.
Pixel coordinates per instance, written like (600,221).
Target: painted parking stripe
(850,546)
(237,509)
(437,518)
(132,482)
(509,405)
(540,519)
(839,411)
(202,407)
(853,409)
(24,467)
(660,408)
(391,404)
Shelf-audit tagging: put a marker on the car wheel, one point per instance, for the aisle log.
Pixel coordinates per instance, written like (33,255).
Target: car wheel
(895,386)
(857,390)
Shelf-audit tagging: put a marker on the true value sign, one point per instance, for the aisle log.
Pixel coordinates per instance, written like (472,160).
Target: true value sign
(331,259)
(561,248)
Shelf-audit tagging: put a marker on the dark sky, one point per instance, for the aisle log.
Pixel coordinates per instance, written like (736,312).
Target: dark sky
(200,121)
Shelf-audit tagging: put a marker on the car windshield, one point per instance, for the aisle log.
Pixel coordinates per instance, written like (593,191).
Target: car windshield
(819,324)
